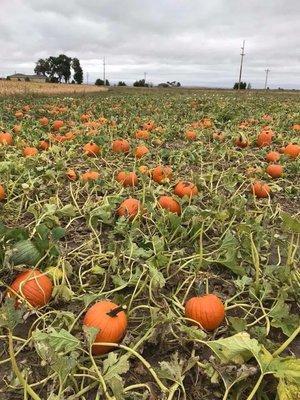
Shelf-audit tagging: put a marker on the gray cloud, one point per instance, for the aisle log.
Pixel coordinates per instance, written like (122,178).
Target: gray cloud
(193,41)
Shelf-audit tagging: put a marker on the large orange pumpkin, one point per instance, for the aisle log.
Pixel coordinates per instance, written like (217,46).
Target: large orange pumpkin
(44,121)
(161,174)
(44,145)
(6,138)
(30,151)
(191,135)
(296,127)
(2,193)
(292,150)
(129,208)
(127,178)
(111,321)
(168,203)
(57,125)
(273,156)
(260,189)
(274,170)
(207,311)
(33,286)
(265,137)
(141,151)
(90,176)
(120,146)
(184,188)
(91,149)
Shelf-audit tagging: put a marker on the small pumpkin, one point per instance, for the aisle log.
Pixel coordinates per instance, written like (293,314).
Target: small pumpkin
(6,138)
(120,146)
(25,252)
(57,125)
(274,170)
(141,151)
(144,169)
(168,203)
(127,178)
(71,174)
(260,189)
(44,121)
(184,188)
(44,145)
(111,321)
(2,193)
(161,174)
(32,286)
(142,134)
(191,135)
(207,311)
(292,150)
(17,128)
(19,114)
(91,149)
(30,151)
(90,176)
(273,156)
(149,126)
(219,136)
(129,208)
(84,117)
(241,142)
(296,127)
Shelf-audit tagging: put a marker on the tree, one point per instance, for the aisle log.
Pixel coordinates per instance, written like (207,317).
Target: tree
(100,82)
(249,87)
(141,83)
(42,67)
(243,85)
(78,73)
(121,83)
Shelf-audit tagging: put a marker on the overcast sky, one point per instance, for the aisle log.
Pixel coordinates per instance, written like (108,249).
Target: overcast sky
(196,42)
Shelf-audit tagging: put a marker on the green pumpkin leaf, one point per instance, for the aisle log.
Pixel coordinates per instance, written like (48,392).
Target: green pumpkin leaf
(288,391)
(290,223)
(59,341)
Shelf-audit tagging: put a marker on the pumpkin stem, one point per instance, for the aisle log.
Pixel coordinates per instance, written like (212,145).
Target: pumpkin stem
(115,311)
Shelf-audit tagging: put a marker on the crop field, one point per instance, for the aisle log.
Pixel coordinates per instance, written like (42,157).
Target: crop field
(26,88)
(149,246)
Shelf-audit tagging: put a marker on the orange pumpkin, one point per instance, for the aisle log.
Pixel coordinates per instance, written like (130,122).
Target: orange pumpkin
(168,203)
(91,149)
(90,176)
(120,146)
(144,169)
(260,189)
(111,321)
(84,117)
(57,125)
(44,145)
(142,134)
(44,121)
(6,138)
(2,193)
(33,286)
(274,170)
(30,151)
(184,188)
(141,151)
(296,127)
(265,137)
(71,174)
(129,208)
(207,311)
(191,135)
(241,142)
(127,178)
(292,150)
(273,156)
(161,174)
(149,126)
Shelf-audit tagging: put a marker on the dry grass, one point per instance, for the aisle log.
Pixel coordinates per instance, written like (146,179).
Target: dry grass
(15,87)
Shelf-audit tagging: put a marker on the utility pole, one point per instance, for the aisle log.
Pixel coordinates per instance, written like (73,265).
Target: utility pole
(87,78)
(241,66)
(104,78)
(267,74)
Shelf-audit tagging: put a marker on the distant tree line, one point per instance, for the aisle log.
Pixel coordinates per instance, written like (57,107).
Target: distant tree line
(56,69)
(243,86)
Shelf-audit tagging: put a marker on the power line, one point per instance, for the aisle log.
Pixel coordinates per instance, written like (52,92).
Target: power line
(241,65)
(267,74)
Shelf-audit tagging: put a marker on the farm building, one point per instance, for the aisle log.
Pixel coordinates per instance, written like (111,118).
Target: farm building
(24,77)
